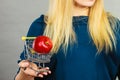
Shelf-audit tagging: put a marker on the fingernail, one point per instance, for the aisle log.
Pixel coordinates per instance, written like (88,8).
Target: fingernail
(41,76)
(45,73)
(49,72)
(47,67)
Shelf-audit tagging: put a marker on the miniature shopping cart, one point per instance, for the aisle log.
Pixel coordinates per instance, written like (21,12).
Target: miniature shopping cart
(31,55)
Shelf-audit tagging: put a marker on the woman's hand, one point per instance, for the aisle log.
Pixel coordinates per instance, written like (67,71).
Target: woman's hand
(31,69)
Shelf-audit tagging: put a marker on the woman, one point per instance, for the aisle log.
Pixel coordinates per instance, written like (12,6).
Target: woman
(85,38)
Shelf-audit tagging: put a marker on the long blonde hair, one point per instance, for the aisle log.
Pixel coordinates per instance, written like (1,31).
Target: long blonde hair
(59,25)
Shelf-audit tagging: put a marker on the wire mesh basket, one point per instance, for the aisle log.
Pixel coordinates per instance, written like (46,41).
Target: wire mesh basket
(33,56)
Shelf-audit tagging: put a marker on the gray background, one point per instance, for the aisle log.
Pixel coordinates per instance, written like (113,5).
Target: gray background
(15,19)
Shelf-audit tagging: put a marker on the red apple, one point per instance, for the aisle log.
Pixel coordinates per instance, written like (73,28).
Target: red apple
(42,44)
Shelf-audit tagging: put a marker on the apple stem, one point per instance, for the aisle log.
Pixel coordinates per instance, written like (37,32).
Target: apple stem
(47,42)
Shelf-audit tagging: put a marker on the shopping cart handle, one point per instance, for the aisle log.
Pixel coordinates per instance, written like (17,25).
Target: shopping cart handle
(25,38)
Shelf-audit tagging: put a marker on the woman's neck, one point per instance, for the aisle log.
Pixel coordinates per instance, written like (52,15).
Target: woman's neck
(80,10)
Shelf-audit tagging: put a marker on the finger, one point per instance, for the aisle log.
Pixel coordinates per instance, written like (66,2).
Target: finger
(31,72)
(44,73)
(24,63)
(47,68)
(49,72)
(44,69)
(29,68)
(40,75)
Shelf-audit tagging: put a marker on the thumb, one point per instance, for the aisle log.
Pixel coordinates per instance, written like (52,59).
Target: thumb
(24,63)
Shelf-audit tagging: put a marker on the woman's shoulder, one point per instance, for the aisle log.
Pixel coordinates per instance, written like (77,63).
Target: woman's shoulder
(40,19)
(37,27)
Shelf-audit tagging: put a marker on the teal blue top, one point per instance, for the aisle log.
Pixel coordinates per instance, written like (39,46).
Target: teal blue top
(82,61)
